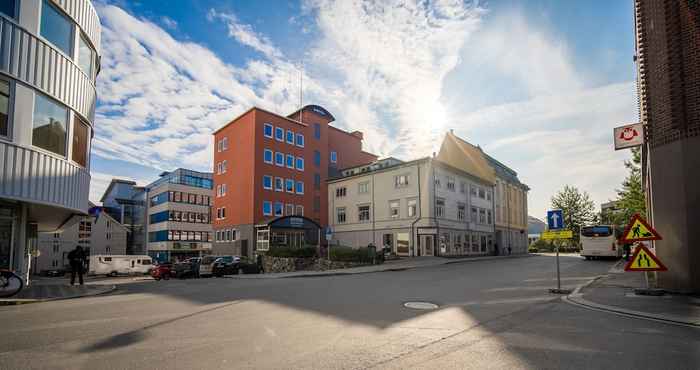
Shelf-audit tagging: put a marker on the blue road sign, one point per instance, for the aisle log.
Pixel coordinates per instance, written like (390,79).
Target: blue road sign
(555,219)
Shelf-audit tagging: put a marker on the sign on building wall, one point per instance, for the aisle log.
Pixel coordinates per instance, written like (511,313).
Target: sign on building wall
(628,136)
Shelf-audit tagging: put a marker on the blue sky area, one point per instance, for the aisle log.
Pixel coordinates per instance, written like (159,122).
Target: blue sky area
(538,84)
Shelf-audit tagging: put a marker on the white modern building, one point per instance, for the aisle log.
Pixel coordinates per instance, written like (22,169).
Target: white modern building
(98,234)
(49,59)
(442,205)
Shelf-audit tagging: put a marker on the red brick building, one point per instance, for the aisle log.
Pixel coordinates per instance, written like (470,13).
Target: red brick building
(668,63)
(267,166)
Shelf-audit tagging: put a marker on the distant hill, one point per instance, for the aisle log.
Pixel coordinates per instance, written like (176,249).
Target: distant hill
(535,225)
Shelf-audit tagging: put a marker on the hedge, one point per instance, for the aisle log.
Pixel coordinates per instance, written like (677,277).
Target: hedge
(347,254)
(290,252)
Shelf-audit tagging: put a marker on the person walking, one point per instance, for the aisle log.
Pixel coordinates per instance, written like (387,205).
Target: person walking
(76,258)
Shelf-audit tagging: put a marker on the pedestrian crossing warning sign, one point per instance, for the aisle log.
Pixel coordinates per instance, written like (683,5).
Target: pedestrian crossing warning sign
(644,260)
(639,230)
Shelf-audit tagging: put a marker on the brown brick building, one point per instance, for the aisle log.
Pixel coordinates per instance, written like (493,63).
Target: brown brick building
(668,62)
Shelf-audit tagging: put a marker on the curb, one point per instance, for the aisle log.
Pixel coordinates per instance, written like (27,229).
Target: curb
(392,269)
(576,299)
(21,301)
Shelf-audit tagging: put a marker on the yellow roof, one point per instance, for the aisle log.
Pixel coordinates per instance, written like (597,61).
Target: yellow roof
(466,157)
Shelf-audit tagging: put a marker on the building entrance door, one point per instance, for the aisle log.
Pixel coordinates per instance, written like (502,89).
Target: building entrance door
(6,240)
(427,243)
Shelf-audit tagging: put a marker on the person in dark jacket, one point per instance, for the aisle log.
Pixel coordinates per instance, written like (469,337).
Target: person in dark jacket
(259,261)
(76,258)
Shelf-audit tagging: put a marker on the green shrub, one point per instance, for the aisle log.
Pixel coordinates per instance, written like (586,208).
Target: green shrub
(541,246)
(347,254)
(291,252)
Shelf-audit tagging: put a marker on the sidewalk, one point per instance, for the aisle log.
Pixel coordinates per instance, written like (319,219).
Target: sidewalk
(615,292)
(395,265)
(50,289)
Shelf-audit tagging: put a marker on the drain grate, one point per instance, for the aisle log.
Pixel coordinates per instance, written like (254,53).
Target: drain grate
(420,305)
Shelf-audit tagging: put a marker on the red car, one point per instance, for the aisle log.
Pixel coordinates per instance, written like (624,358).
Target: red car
(162,271)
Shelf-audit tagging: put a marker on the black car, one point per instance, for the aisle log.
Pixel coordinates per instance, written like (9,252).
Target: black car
(226,265)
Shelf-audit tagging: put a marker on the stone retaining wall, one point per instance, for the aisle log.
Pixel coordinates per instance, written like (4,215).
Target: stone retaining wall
(283,264)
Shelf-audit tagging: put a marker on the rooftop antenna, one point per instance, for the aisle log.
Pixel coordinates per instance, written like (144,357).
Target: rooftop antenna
(301,92)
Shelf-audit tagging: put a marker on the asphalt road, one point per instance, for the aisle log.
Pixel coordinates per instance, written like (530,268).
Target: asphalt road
(492,314)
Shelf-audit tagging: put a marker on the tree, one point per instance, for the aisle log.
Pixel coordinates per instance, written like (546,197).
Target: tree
(577,207)
(631,197)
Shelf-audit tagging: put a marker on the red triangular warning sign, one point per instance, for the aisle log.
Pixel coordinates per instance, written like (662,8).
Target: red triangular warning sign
(639,230)
(644,260)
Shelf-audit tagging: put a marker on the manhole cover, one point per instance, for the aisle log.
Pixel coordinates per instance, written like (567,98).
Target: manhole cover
(420,305)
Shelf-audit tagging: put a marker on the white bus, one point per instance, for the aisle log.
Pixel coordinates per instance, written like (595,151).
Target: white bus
(600,241)
(101,264)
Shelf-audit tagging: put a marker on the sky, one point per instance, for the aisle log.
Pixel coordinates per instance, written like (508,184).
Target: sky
(538,85)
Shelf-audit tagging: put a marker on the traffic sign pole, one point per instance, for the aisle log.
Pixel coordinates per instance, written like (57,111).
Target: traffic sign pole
(558,273)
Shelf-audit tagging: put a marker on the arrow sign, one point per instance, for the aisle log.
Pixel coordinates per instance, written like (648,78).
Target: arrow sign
(555,219)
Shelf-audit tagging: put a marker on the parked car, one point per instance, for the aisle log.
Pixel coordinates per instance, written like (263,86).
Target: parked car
(162,271)
(206,266)
(188,268)
(226,265)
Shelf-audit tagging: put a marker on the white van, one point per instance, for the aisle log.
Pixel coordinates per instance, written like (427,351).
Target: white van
(102,264)
(600,241)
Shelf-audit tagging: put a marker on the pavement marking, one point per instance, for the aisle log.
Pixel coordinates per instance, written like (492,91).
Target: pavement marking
(421,305)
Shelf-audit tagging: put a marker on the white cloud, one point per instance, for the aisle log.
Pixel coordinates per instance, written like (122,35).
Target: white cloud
(244,34)
(169,22)
(401,72)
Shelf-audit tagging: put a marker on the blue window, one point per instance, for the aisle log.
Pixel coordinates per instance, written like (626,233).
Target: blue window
(267,182)
(279,208)
(8,8)
(159,217)
(317,130)
(267,130)
(317,181)
(267,208)
(56,28)
(300,140)
(290,161)
(317,158)
(279,159)
(279,184)
(158,236)
(268,156)
(290,137)
(279,133)
(300,187)
(334,157)
(300,163)
(289,185)
(159,199)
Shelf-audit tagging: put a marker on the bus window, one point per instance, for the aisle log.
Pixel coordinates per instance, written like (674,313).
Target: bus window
(596,231)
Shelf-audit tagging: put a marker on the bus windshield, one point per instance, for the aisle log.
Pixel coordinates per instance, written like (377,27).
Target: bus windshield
(596,231)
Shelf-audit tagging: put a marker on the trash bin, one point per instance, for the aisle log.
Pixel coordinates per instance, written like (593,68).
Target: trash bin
(372,251)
